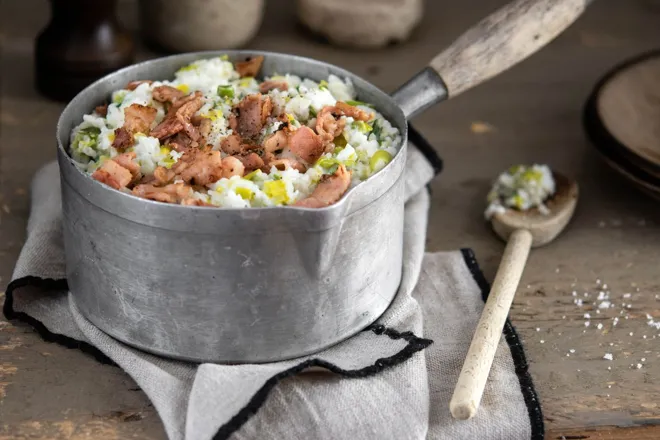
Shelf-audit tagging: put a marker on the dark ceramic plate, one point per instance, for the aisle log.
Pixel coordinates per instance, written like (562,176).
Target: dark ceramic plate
(622,120)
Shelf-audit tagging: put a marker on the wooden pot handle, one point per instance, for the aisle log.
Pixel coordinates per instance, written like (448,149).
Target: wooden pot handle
(502,40)
(472,380)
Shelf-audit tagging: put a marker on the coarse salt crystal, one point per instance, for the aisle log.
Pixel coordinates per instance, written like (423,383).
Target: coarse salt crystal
(574,293)
(563,316)
(586,294)
(604,286)
(643,359)
(609,386)
(572,350)
(631,333)
(587,316)
(599,326)
(639,366)
(608,356)
(604,305)
(627,295)
(542,341)
(609,368)
(597,281)
(538,329)
(578,302)
(586,324)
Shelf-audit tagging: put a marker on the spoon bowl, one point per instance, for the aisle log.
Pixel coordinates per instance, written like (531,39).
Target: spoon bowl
(543,227)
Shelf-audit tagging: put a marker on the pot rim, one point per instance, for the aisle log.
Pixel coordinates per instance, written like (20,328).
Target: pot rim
(341,207)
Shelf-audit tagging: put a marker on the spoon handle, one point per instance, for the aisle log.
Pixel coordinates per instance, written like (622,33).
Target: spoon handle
(472,380)
(505,38)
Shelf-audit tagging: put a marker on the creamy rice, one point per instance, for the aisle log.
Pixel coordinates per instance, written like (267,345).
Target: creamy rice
(521,188)
(363,148)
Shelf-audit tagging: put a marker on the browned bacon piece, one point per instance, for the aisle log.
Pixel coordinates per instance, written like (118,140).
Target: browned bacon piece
(232,166)
(167,94)
(127,160)
(113,174)
(135,84)
(329,125)
(137,119)
(306,144)
(102,110)
(249,67)
(232,144)
(287,163)
(276,142)
(123,139)
(329,190)
(250,161)
(178,118)
(195,167)
(250,115)
(172,193)
(273,84)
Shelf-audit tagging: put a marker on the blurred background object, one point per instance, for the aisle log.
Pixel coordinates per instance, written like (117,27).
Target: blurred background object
(193,25)
(82,42)
(622,120)
(367,24)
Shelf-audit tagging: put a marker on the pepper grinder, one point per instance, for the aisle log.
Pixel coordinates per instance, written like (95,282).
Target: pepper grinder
(83,42)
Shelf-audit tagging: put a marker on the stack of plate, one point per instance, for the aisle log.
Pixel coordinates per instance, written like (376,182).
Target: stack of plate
(622,120)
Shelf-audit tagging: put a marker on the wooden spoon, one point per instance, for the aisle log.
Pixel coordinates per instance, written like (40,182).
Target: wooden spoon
(522,230)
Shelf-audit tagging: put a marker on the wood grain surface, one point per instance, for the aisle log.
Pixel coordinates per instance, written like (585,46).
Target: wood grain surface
(529,114)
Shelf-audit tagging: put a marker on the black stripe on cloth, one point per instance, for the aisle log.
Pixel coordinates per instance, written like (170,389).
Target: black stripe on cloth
(517,353)
(415,344)
(47,335)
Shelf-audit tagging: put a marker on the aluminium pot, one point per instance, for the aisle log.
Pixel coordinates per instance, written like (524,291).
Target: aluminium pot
(265,284)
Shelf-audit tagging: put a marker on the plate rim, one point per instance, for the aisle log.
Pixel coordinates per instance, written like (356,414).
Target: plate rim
(604,134)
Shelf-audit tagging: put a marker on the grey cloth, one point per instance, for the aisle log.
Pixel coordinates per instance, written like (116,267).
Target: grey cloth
(392,381)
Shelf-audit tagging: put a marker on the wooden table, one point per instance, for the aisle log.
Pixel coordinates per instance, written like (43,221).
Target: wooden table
(531,114)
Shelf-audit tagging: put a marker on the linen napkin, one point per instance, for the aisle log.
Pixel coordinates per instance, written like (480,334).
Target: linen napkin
(393,380)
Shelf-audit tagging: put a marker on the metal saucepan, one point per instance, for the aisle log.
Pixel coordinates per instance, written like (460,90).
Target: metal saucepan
(266,284)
